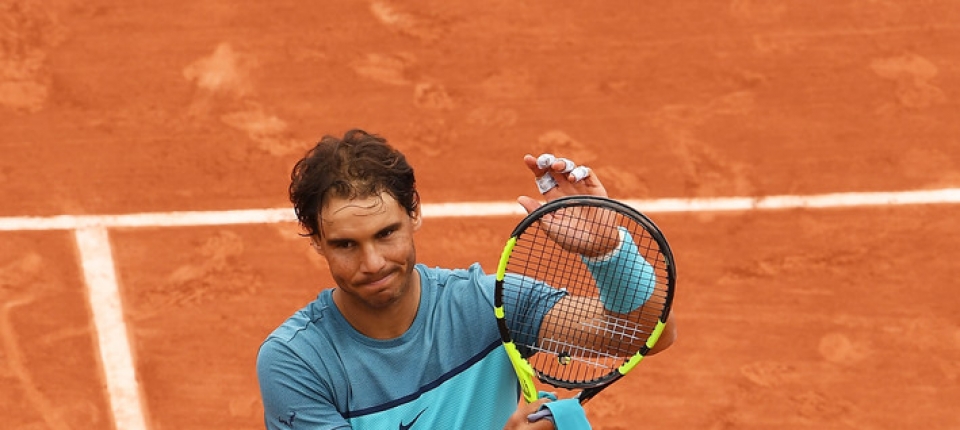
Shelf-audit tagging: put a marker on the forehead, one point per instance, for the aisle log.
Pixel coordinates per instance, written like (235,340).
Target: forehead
(346,216)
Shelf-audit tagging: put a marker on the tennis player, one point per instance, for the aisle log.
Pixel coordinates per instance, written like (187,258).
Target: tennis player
(397,344)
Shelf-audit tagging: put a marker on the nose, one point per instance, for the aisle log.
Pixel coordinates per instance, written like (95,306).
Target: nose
(371,259)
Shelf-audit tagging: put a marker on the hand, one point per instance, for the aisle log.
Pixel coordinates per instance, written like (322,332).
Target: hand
(567,183)
(519,421)
(577,230)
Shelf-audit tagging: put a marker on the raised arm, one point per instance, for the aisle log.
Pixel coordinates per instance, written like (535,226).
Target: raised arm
(602,245)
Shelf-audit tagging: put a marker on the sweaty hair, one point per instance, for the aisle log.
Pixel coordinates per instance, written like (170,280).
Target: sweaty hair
(358,166)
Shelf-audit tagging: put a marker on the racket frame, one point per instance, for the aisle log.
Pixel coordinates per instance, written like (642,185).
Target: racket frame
(526,373)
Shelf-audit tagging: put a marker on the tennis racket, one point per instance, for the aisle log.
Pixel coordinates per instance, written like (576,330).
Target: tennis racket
(618,274)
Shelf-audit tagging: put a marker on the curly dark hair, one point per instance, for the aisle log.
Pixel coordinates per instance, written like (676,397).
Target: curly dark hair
(358,165)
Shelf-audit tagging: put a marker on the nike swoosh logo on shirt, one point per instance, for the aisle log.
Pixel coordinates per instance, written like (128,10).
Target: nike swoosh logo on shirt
(408,426)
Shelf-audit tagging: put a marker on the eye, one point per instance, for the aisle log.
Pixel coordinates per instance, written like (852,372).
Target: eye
(386,233)
(345,244)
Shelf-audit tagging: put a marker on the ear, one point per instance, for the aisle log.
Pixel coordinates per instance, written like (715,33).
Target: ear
(417,219)
(315,244)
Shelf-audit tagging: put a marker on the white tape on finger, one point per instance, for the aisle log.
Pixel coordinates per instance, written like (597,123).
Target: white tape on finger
(580,172)
(544,161)
(546,183)
(568,165)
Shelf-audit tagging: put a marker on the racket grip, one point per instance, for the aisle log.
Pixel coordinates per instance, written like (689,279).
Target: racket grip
(542,414)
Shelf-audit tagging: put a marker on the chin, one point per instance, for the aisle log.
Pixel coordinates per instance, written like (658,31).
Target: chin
(387,295)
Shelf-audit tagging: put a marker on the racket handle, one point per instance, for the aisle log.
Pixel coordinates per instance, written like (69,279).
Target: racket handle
(542,414)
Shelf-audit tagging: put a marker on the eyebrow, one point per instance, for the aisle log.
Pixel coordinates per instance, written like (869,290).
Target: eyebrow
(335,240)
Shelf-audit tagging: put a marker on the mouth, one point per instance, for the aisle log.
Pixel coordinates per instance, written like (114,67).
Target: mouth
(377,282)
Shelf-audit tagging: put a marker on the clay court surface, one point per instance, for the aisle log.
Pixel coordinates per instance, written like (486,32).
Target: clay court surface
(792,318)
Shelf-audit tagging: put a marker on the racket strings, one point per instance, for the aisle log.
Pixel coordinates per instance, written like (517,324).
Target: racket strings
(585,342)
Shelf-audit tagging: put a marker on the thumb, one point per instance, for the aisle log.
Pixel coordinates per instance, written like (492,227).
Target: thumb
(529,204)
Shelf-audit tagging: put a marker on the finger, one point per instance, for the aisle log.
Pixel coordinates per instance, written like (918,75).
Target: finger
(565,165)
(556,176)
(531,163)
(544,161)
(578,173)
(543,414)
(541,167)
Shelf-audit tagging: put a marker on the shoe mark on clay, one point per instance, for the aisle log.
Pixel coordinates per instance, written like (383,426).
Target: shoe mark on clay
(224,73)
(838,348)
(823,408)
(396,69)
(420,27)
(912,76)
(27,30)
(509,84)
(400,70)
(271,133)
(224,78)
(430,136)
(432,96)
(505,84)
(770,373)
(221,77)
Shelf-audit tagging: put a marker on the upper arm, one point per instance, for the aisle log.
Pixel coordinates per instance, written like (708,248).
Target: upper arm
(293,395)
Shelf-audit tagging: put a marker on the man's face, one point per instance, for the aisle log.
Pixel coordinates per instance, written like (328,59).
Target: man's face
(368,245)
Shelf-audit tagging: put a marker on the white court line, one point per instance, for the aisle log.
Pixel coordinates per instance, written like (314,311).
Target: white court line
(486,209)
(98,266)
(116,356)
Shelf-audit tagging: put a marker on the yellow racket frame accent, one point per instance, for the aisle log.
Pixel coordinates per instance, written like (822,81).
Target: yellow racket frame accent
(525,373)
(651,341)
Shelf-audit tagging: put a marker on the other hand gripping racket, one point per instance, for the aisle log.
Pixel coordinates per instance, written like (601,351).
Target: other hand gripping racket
(619,276)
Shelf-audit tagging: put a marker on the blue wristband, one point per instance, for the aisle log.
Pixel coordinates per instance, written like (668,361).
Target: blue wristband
(568,414)
(625,279)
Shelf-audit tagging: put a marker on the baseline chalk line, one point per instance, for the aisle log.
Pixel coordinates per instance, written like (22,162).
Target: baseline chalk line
(484,209)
